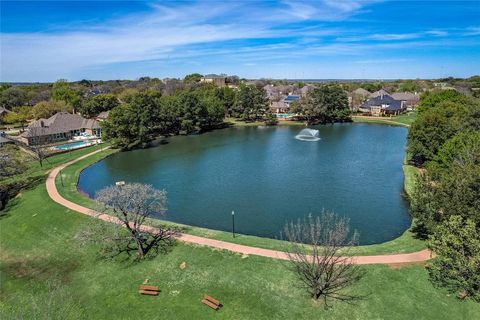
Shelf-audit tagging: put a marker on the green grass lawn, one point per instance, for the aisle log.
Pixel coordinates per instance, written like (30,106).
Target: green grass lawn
(405,119)
(35,170)
(44,274)
(403,244)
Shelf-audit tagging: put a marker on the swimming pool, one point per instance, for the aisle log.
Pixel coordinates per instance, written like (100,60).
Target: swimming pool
(74,145)
(284,115)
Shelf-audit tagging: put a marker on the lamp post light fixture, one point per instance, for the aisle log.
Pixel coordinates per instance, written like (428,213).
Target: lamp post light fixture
(233,224)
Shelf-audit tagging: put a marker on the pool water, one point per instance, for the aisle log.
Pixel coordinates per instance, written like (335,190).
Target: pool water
(74,145)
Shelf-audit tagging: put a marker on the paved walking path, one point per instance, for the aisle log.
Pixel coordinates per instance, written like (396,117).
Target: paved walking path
(379,259)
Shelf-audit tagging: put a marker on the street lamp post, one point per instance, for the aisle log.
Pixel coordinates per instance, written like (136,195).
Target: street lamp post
(61,178)
(233,223)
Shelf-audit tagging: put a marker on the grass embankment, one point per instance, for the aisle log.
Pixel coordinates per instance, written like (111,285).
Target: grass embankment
(404,244)
(404,120)
(34,170)
(46,274)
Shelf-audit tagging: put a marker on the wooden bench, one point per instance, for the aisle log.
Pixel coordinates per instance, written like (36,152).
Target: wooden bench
(211,302)
(148,290)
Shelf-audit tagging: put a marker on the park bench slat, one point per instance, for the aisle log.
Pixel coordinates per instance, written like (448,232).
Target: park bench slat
(147,287)
(212,300)
(210,304)
(148,292)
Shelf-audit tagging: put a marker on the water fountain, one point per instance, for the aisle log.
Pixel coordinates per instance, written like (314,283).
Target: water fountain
(308,135)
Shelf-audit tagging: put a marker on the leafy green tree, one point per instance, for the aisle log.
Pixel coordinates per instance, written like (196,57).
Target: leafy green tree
(134,123)
(456,266)
(450,185)
(46,109)
(251,103)
(19,115)
(325,104)
(430,100)
(12,97)
(226,96)
(193,77)
(433,127)
(62,92)
(270,118)
(99,103)
(409,86)
(193,112)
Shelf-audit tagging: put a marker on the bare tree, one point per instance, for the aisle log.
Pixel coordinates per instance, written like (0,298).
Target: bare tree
(315,245)
(133,204)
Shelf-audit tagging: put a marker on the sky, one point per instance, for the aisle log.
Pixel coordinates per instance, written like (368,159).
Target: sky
(43,41)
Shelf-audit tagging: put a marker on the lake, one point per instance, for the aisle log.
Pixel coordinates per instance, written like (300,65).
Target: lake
(270,178)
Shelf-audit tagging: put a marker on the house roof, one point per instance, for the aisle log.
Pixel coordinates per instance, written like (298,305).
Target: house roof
(214,76)
(103,115)
(404,96)
(361,91)
(59,123)
(380,92)
(306,88)
(385,100)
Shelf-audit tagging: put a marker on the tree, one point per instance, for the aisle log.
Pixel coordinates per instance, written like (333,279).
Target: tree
(133,204)
(11,161)
(409,86)
(456,266)
(62,92)
(450,185)
(430,100)
(135,122)
(12,97)
(436,125)
(99,103)
(46,109)
(194,77)
(270,118)
(250,103)
(325,104)
(19,115)
(314,255)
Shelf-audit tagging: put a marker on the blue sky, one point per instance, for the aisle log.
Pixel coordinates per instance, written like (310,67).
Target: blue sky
(45,41)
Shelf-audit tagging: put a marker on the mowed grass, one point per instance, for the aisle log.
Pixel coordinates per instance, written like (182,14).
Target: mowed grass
(405,243)
(45,273)
(34,169)
(405,119)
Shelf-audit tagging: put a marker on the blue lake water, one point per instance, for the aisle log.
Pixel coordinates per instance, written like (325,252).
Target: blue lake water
(269,178)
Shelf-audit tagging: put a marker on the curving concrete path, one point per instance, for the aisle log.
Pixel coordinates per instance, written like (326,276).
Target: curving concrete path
(379,259)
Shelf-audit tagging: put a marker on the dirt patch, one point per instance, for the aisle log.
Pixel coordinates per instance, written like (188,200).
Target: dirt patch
(40,269)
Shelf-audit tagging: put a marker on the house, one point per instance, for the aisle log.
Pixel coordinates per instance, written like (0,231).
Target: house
(409,99)
(59,127)
(383,105)
(3,113)
(306,89)
(102,116)
(276,93)
(283,105)
(218,80)
(357,97)
(378,93)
